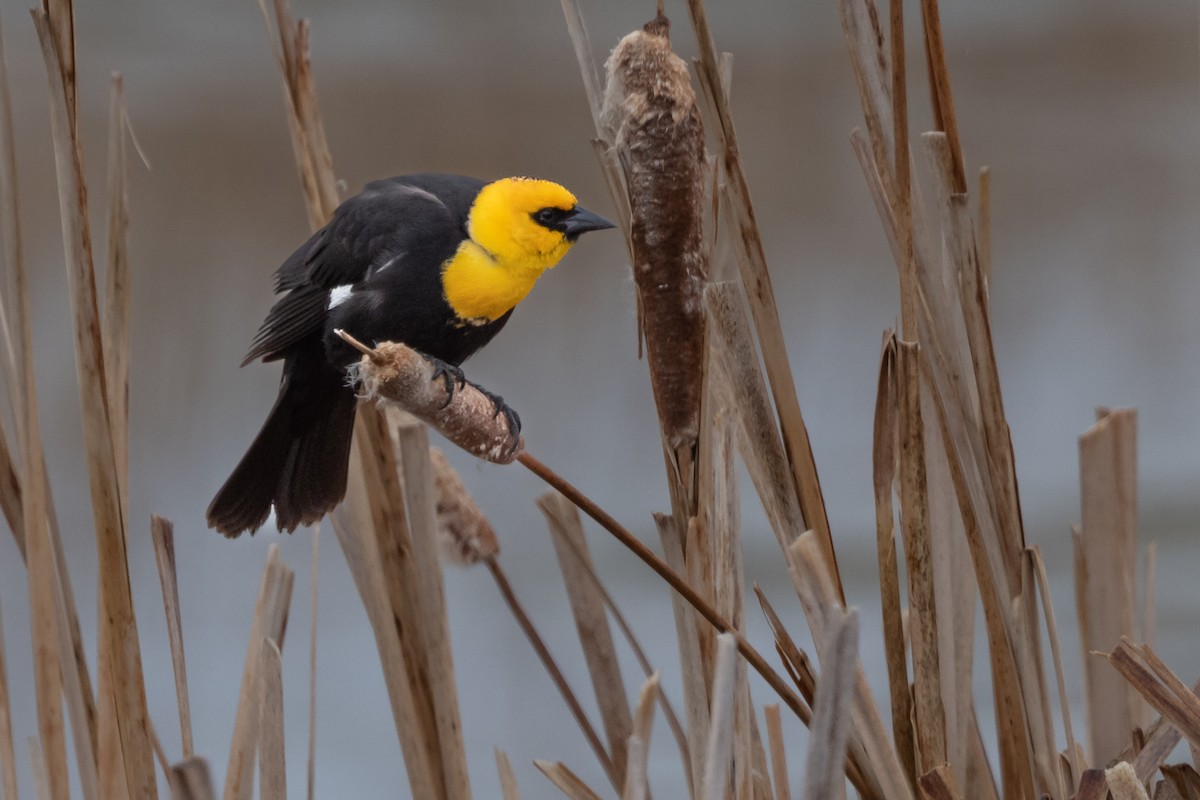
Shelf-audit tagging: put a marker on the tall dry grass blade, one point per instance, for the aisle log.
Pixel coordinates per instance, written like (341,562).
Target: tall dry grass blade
(636,786)
(380,498)
(567,781)
(871,63)
(885,438)
(366,566)
(1030,660)
(999,467)
(779,770)
(8,752)
(508,780)
(902,208)
(606,154)
(800,668)
(162,533)
(695,701)
(914,515)
(1043,584)
(731,346)
(650,107)
(191,779)
(41,780)
(761,295)
(718,751)
(76,700)
(270,621)
(824,775)
(435,625)
(882,774)
(311,765)
(587,572)
(35,540)
(552,668)
(720,508)
(372,549)
(591,623)
(939,80)
(272,775)
(956,590)
(121,681)
(796,661)
(1105,577)
(304,115)
(117,291)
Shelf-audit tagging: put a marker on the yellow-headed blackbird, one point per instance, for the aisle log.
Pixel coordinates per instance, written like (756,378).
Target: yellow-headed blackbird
(437,262)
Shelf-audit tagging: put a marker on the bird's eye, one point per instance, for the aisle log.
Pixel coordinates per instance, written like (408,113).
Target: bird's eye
(548,216)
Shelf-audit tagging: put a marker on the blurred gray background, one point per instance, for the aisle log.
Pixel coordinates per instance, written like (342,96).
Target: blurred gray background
(1085,111)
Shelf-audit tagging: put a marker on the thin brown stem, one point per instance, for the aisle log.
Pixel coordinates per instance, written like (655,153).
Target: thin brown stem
(585,504)
(560,681)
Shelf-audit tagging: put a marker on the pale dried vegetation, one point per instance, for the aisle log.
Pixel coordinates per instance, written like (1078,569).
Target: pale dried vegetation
(945,490)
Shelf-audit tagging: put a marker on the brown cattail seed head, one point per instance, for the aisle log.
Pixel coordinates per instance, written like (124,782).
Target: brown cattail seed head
(650,109)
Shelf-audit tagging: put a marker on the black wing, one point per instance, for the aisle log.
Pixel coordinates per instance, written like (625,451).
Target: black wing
(388,222)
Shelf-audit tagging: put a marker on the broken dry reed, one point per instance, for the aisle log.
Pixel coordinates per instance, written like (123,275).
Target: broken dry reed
(1105,570)
(830,728)
(636,778)
(272,775)
(591,623)
(270,622)
(719,748)
(162,533)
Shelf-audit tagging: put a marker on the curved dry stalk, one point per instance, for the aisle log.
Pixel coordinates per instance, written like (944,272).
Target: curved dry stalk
(673,579)
(560,681)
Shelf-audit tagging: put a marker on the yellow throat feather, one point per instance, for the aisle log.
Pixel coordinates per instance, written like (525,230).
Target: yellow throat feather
(506,250)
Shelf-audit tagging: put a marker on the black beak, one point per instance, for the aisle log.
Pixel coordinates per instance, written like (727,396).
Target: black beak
(583,221)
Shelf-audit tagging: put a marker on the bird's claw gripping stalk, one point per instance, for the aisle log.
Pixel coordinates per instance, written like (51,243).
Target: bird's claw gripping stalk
(510,415)
(450,374)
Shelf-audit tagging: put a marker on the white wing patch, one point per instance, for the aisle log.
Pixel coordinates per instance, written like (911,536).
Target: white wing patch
(338,295)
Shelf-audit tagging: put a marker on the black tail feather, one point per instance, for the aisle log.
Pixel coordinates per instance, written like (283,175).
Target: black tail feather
(298,461)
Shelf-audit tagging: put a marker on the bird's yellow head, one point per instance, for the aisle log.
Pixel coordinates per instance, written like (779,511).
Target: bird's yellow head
(525,223)
(518,229)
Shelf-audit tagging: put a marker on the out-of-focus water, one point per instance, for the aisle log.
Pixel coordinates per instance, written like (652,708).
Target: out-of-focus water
(1085,112)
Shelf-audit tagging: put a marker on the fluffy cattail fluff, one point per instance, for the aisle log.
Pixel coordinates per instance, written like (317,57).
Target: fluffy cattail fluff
(464,534)
(650,109)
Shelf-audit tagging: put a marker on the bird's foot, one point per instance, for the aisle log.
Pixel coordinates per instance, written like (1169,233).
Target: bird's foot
(450,374)
(510,415)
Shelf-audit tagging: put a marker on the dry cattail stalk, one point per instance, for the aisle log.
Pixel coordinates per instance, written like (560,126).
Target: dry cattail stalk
(467,417)
(464,533)
(650,107)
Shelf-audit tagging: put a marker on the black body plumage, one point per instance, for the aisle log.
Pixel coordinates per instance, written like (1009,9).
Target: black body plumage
(383,251)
